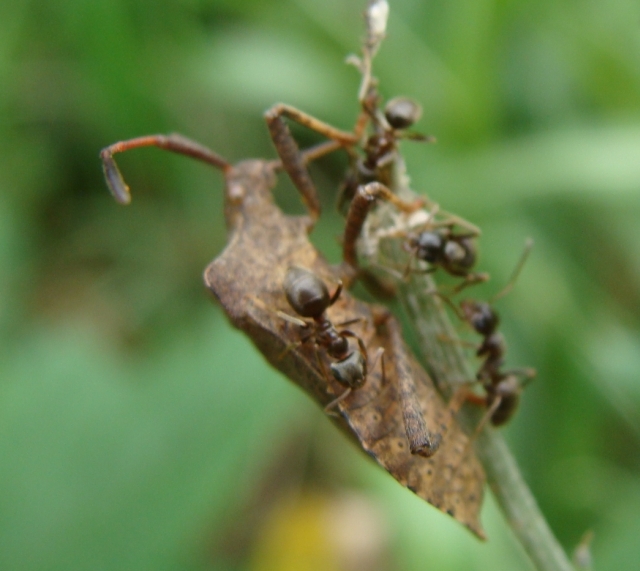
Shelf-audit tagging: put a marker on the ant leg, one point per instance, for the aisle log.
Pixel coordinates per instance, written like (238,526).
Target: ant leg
(443,338)
(337,400)
(363,348)
(362,202)
(451,220)
(336,294)
(292,319)
(313,153)
(174,143)
(292,345)
(293,161)
(469,280)
(350,321)
(486,417)
(527,374)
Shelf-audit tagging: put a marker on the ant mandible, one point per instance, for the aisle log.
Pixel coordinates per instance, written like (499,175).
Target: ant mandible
(309,297)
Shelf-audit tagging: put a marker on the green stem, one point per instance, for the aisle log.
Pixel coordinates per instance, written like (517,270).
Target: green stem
(450,367)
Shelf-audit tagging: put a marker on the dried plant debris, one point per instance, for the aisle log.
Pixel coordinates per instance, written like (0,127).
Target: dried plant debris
(247,279)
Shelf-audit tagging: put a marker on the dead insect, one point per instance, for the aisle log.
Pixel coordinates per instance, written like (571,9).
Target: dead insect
(379,148)
(290,156)
(387,419)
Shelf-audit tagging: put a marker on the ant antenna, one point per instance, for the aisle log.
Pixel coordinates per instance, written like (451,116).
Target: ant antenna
(528,245)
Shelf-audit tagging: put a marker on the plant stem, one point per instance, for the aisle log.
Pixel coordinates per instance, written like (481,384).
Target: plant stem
(450,368)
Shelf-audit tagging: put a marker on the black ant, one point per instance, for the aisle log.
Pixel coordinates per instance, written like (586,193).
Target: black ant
(309,297)
(440,245)
(454,252)
(503,388)
(380,147)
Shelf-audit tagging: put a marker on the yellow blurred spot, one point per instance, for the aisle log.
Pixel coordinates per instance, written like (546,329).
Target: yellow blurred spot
(294,538)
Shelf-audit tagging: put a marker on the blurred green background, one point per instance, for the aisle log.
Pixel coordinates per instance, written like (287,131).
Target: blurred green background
(139,431)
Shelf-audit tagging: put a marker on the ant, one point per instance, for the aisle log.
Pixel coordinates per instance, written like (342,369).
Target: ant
(503,388)
(439,245)
(454,252)
(380,147)
(309,297)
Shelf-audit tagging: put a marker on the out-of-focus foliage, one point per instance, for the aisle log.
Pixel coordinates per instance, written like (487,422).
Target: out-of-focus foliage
(140,432)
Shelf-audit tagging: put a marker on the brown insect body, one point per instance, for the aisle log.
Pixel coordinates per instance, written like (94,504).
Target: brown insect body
(309,297)
(246,272)
(247,279)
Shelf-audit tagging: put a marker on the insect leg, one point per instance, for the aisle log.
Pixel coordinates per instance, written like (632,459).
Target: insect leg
(173,142)
(293,161)
(365,197)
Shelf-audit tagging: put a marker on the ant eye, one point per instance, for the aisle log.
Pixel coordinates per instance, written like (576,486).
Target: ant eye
(402,112)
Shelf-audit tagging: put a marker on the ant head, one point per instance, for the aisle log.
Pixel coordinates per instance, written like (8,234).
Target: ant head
(306,292)
(480,315)
(429,246)
(460,253)
(508,390)
(351,371)
(402,112)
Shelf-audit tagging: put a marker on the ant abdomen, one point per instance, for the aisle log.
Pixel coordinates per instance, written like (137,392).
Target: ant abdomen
(402,112)
(306,293)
